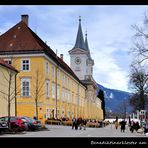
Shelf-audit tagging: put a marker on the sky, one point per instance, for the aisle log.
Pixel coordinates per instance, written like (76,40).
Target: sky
(109,32)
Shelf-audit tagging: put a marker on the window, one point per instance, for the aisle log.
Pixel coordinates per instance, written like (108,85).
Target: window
(58,92)
(78,101)
(53,90)
(47,113)
(68,96)
(47,89)
(25,64)
(47,68)
(9,61)
(91,70)
(68,81)
(63,94)
(58,74)
(72,98)
(53,71)
(63,78)
(68,114)
(25,90)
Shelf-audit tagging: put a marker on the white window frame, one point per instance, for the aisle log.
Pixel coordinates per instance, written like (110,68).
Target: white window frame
(22,64)
(58,74)
(72,98)
(47,67)
(23,80)
(53,90)
(68,96)
(63,78)
(58,92)
(47,113)
(63,94)
(53,71)
(47,89)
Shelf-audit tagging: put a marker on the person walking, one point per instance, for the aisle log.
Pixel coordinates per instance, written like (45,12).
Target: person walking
(116,125)
(73,122)
(76,124)
(123,123)
(132,126)
(84,123)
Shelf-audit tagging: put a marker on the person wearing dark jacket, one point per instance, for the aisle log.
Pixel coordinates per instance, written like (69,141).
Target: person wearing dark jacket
(123,123)
(84,124)
(73,122)
(76,124)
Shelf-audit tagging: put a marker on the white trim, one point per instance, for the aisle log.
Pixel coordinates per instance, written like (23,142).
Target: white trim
(47,67)
(22,59)
(47,94)
(53,90)
(22,80)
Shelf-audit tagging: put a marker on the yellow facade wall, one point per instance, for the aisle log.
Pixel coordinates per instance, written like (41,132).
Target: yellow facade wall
(68,108)
(4,85)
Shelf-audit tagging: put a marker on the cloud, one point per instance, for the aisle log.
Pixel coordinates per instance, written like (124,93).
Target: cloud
(109,34)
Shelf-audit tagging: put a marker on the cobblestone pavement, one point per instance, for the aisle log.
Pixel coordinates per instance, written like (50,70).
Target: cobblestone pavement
(67,131)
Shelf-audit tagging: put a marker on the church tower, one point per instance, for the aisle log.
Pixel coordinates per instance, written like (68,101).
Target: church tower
(80,58)
(82,65)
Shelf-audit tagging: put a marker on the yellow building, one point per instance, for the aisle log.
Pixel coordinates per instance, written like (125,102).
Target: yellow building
(46,85)
(7,89)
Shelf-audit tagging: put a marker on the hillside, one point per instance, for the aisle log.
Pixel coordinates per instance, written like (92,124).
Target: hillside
(113,97)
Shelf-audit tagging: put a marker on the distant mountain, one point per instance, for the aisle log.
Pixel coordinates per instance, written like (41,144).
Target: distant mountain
(113,98)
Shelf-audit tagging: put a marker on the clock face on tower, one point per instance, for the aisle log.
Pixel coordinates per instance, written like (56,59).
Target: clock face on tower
(77,60)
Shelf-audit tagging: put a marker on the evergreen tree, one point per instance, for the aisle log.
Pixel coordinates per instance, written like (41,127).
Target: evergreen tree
(101,96)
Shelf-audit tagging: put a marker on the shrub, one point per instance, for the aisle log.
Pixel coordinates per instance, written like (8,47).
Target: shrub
(92,124)
(52,122)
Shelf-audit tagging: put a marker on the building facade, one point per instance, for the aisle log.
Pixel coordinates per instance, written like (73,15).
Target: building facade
(7,89)
(46,86)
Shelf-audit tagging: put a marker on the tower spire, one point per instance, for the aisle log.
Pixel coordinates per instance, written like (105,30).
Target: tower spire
(79,40)
(86,42)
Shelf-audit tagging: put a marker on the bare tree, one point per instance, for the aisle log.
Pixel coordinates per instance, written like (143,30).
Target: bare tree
(139,84)
(140,48)
(122,108)
(9,91)
(38,89)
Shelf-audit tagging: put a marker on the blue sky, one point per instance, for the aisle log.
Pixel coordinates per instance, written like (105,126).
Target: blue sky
(108,27)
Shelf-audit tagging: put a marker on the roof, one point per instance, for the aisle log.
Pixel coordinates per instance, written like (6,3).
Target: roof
(5,64)
(21,39)
(18,38)
(79,40)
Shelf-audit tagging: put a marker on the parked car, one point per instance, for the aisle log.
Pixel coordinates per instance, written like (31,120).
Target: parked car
(16,123)
(31,123)
(3,126)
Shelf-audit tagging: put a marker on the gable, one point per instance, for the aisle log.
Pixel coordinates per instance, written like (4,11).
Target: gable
(77,51)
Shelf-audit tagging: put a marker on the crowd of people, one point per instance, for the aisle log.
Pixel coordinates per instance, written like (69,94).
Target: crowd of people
(133,126)
(79,123)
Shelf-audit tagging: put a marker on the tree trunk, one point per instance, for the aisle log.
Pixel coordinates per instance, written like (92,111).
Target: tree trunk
(36,106)
(9,100)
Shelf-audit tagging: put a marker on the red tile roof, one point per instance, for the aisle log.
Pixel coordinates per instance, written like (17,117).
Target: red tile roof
(18,38)
(21,39)
(5,64)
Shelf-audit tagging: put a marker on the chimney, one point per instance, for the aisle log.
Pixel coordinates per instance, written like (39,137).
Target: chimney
(61,56)
(25,18)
